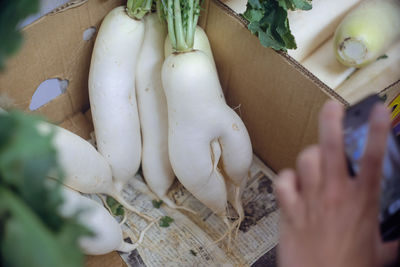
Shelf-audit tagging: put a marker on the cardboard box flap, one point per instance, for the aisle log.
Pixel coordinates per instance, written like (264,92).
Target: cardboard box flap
(278,101)
(54,48)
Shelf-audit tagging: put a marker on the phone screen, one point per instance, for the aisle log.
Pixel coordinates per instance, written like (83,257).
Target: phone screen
(355,138)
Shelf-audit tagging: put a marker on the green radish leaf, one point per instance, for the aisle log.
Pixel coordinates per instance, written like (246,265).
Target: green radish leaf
(166,221)
(382,57)
(116,208)
(157,203)
(268,19)
(256,4)
(295,4)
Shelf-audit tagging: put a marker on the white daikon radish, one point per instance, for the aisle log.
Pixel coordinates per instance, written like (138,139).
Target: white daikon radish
(200,43)
(372,78)
(85,170)
(152,105)
(208,142)
(113,96)
(367,32)
(313,27)
(323,64)
(107,233)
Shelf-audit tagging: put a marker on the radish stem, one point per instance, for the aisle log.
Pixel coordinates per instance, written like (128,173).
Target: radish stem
(182,17)
(137,9)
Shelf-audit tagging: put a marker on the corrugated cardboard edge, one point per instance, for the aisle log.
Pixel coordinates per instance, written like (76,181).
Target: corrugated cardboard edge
(60,9)
(391,90)
(306,73)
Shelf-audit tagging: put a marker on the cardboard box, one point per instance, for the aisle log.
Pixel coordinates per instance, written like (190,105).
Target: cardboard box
(276,97)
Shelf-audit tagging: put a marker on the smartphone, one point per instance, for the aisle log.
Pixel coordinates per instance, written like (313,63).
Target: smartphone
(355,128)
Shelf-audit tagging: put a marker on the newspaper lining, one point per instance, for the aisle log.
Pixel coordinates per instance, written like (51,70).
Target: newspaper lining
(190,239)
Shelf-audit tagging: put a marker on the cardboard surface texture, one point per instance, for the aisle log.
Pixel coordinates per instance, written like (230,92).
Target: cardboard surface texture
(276,97)
(54,48)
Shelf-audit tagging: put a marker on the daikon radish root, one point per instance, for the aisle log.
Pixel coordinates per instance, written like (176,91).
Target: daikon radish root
(201,43)
(85,170)
(372,78)
(107,233)
(112,91)
(323,64)
(152,104)
(204,133)
(313,27)
(367,32)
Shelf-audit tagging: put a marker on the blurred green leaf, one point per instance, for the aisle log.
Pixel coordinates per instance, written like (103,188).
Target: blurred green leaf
(32,232)
(157,203)
(11,13)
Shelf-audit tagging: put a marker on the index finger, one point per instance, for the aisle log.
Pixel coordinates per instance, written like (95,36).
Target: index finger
(333,162)
(371,162)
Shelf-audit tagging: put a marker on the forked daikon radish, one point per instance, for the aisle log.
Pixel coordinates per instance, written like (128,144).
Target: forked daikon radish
(208,142)
(201,43)
(323,64)
(85,170)
(372,78)
(107,233)
(367,32)
(152,104)
(313,27)
(112,89)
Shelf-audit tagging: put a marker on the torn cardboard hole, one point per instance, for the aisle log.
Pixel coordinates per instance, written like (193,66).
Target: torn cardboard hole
(89,33)
(47,91)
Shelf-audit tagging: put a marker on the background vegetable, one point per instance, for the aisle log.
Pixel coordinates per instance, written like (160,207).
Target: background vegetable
(269,21)
(323,64)
(313,27)
(372,78)
(367,32)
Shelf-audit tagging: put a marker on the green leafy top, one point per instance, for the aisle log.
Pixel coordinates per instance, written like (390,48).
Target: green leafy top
(11,13)
(137,9)
(29,206)
(181,17)
(268,19)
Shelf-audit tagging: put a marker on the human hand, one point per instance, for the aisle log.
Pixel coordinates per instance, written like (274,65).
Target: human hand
(327,218)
